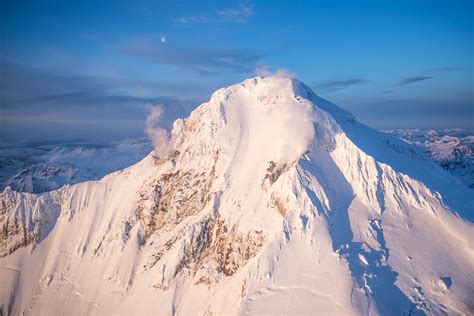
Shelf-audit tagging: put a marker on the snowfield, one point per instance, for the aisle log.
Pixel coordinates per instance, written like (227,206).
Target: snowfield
(271,200)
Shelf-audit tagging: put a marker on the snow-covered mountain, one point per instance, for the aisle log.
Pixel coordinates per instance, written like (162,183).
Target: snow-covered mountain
(452,149)
(271,200)
(40,167)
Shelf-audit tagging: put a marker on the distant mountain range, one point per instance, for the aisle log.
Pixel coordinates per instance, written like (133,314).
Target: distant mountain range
(41,167)
(452,149)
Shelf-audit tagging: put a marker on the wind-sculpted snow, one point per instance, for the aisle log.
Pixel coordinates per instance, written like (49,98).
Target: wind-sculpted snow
(271,201)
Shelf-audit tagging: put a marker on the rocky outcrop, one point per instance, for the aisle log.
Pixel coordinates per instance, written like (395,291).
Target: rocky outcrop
(212,241)
(173,197)
(25,219)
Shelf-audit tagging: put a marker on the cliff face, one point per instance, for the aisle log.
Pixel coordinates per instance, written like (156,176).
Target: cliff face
(270,200)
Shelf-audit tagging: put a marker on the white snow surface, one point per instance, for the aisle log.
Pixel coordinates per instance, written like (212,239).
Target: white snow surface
(272,201)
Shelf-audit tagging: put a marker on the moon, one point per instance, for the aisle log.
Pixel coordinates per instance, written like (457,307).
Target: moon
(163,39)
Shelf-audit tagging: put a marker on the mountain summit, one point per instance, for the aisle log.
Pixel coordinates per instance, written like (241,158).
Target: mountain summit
(270,200)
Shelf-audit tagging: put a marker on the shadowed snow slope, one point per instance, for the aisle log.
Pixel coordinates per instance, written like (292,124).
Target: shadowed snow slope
(271,200)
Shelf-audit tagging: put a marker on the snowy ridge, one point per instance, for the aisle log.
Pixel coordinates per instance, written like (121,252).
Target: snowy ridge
(272,200)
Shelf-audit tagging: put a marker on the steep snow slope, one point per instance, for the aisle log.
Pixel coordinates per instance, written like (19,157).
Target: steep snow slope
(272,200)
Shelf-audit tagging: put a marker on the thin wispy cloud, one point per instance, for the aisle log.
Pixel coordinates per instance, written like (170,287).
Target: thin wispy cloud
(332,85)
(239,14)
(29,92)
(77,106)
(428,74)
(193,57)
(264,71)
(19,82)
(191,20)
(412,79)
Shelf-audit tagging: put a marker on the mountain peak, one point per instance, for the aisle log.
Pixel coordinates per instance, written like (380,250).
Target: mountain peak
(257,121)
(270,86)
(272,200)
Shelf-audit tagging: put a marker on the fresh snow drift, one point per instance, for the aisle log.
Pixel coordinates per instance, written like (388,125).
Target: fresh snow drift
(270,200)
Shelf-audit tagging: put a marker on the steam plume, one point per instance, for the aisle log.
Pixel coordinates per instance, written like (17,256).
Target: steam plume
(159,137)
(266,72)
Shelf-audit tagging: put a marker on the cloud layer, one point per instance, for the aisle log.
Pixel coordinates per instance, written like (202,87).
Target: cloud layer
(333,85)
(193,57)
(46,101)
(412,79)
(428,74)
(240,14)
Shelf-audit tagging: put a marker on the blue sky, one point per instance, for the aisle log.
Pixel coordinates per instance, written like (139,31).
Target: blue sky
(87,69)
